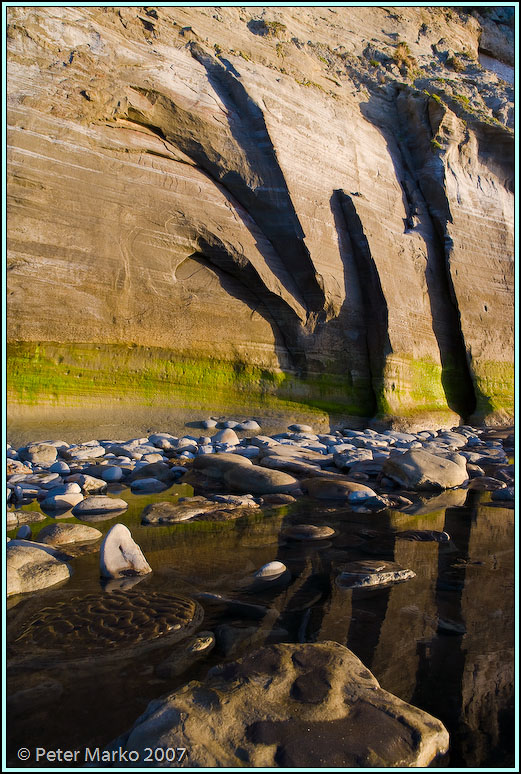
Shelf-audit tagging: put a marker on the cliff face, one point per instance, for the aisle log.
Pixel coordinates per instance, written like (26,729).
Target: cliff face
(314,202)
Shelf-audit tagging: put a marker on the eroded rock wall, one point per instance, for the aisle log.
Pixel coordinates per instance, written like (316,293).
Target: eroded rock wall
(325,195)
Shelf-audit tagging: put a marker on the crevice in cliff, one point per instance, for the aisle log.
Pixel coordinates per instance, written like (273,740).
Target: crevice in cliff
(375,304)
(408,128)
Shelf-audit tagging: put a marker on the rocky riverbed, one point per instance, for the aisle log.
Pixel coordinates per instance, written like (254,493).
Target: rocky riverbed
(136,565)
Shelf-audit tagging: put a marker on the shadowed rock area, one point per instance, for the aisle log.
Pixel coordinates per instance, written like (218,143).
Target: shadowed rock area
(313,204)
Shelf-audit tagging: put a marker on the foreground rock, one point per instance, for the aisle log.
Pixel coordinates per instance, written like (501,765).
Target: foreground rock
(31,567)
(120,555)
(418,469)
(312,705)
(17,518)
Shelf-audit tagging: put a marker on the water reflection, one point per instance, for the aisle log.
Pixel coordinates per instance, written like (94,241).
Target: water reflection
(443,640)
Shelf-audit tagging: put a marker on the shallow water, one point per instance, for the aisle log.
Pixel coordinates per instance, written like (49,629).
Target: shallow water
(443,640)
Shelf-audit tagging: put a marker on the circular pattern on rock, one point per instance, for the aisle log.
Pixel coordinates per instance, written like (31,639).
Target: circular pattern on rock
(308,532)
(98,622)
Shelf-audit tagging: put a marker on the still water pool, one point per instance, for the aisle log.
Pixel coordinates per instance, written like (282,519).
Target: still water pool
(443,641)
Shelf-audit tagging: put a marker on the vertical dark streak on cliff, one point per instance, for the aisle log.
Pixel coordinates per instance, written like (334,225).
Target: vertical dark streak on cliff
(270,203)
(347,256)
(377,312)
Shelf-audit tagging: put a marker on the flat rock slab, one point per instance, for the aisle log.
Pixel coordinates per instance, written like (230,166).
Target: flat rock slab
(99,505)
(291,706)
(418,469)
(63,534)
(31,568)
(363,573)
(172,513)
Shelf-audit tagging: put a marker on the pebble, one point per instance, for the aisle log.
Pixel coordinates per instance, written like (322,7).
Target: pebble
(271,570)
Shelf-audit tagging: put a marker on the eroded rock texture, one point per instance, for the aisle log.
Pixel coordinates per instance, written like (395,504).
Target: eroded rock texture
(317,201)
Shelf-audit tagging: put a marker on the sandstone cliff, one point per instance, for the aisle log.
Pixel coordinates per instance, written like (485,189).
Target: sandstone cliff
(311,202)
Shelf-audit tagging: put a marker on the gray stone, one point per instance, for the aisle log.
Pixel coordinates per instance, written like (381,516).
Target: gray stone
(17,518)
(24,532)
(89,484)
(227,436)
(120,555)
(417,469)
(84,452)
(503,495)
(257,480)
(98,504)
(291,706)
(216,465)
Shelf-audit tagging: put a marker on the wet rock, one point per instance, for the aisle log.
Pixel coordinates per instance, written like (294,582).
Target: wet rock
(486,484)
(292,465)
(120,555)
(334,488)
(503,495)
(238,500)
(24,532)
(418,469)
(147,485)
(309,705)
(259,480)
(31,567)
(278,499)
(308,532)
(62,534)
(172,513)
(98,504)
(363,573)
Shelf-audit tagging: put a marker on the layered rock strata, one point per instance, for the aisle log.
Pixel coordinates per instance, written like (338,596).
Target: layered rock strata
(311,203)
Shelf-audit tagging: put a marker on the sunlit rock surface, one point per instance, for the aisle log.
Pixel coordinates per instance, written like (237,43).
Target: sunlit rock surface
(316,203)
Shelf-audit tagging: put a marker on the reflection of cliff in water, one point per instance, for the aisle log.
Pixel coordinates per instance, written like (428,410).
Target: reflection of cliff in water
(443,641)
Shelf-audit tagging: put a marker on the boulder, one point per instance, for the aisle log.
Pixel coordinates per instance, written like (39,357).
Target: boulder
(255,480)
(334,488)
(227,435)
(120,555)
(62,534)
(147,485)
(31,567)
(292,706)
(61,502)
(418,469)
(216,465)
